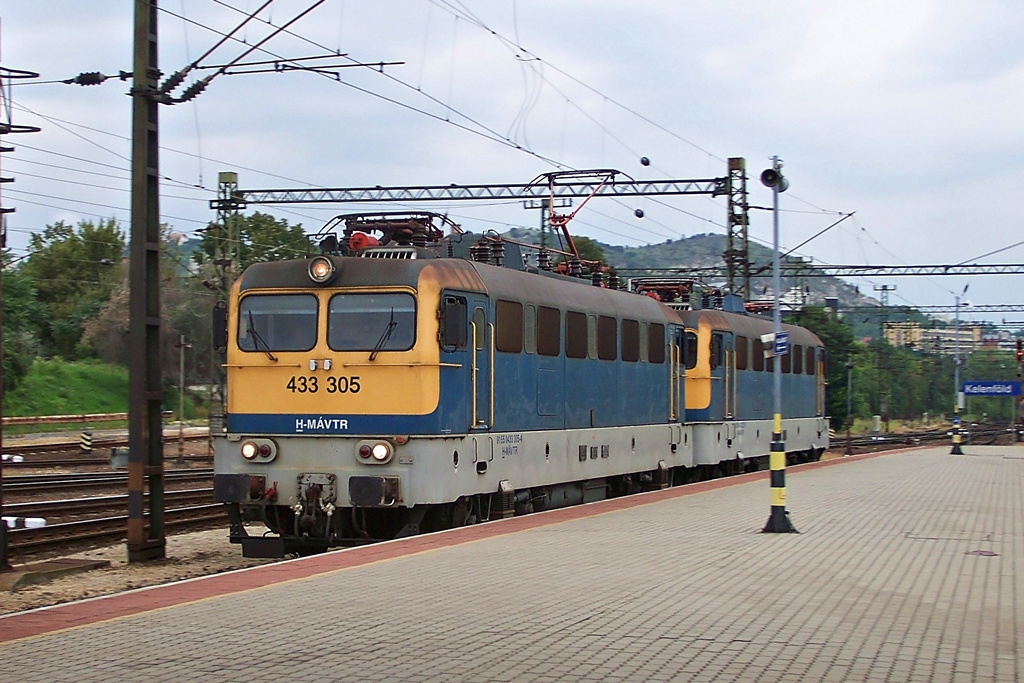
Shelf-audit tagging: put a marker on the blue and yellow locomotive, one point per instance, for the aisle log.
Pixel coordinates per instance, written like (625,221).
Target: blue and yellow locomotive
(401,387)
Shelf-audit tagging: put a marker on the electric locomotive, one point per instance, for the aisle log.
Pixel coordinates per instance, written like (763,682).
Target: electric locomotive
(418,381)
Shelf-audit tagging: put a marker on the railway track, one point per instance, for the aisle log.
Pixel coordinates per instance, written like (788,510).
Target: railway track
(70,536)
(68,453)
(982,435)
(58,510)
(33,484)
(78,523)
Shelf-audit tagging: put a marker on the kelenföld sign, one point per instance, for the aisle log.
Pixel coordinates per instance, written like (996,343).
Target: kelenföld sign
(991,388)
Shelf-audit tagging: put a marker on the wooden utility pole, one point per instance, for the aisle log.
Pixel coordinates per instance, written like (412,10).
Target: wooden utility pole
(145,423)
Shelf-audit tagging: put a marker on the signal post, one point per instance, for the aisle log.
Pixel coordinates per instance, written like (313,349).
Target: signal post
(1017,417)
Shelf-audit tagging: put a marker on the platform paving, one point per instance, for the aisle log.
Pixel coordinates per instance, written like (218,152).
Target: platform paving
(907,568)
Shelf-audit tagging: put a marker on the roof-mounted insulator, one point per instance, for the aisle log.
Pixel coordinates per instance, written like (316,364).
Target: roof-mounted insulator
(544,259)
(480,252)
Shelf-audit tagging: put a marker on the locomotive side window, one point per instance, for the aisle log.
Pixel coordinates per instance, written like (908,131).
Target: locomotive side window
(530,328)
(480,320)
(690,350)
(741,353)
(758,354)
(509,327)
(277,322)
(371,322)
(592,337)
(575,335)
(809,365)
(785,361)
(630,341)
(607,338)
(656,343)
(798,359)
(454,333)
(549,331)
(716,350)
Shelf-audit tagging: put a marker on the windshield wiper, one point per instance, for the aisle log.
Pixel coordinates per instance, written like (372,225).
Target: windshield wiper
(385,335)
(258,340)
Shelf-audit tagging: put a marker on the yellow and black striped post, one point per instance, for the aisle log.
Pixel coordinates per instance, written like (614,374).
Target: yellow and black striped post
(956,435)
(85,443)
(778,521)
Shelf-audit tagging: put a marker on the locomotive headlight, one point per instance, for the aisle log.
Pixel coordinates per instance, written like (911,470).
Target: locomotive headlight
(250,450)
(321,269)
(258,450)
(374,451)
(381,451)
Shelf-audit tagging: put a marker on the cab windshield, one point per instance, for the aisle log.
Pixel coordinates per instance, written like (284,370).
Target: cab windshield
(277,322)
(371,322)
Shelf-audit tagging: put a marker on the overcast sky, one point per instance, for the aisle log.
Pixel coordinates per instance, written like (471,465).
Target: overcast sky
(906,113)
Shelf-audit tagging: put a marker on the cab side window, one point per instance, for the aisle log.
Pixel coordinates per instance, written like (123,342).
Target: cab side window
(716,350)
(454,331)
(690,350)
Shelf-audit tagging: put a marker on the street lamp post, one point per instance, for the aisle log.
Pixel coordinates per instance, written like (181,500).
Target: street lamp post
(181,398)
(849,403)
(956,376)
(778,521)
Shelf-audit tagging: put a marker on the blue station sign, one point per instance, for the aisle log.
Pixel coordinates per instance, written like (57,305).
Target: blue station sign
(782,343)
(991,388)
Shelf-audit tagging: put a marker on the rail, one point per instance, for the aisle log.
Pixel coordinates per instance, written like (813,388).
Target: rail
(69,419)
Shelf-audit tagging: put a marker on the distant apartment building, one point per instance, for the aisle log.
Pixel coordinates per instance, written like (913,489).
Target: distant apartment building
(934,339)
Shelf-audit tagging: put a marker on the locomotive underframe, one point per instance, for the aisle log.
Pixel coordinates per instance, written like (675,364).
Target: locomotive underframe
(431,483)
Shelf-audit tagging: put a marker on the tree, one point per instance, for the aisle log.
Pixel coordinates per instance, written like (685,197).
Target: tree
(835,334)
(185,306)
(20,324)
(74,271)
(589,249)
(261,237)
